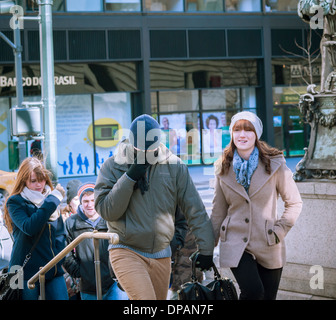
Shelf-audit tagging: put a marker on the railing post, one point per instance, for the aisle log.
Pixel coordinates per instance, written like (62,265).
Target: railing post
(97,269)
(40,275)
(42,286)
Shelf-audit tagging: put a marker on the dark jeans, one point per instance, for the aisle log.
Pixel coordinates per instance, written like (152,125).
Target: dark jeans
(256,282)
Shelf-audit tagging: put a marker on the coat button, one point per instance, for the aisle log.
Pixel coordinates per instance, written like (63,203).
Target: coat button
(223,228)
(247,220)
(270,231)
(245,239)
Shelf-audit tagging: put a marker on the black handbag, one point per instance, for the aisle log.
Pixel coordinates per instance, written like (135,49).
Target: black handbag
(8,291)
(218,289)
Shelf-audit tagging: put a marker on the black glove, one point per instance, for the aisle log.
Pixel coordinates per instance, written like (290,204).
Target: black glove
(137,171)
(204,262)
(142,184)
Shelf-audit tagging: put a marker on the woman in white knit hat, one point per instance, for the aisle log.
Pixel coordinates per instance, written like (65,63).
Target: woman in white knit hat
(249,177)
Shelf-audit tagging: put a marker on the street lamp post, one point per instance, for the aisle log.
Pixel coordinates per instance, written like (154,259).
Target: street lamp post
(48,86)
(47,75)
(6,7)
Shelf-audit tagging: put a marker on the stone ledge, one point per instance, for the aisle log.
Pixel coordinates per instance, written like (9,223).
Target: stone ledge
(296,278)
(317,189)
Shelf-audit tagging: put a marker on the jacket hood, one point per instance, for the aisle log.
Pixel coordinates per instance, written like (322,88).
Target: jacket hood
(125,154)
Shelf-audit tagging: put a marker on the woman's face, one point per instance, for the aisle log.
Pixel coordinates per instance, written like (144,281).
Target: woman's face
(33,184)
(212,124)
(74,203)
(244,137)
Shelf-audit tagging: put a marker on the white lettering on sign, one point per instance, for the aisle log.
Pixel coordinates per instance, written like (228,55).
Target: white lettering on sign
(35,81)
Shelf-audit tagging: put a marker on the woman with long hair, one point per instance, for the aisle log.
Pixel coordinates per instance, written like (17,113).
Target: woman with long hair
(32,207)
(250,176)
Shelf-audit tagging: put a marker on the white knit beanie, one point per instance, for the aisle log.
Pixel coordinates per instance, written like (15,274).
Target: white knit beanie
(247,115)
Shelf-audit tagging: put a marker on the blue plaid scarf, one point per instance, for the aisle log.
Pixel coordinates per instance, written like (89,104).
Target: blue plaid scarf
(244,168)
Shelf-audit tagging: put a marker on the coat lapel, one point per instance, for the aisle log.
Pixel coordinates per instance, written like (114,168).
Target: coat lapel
(231,182)
(260,177)
(258,180)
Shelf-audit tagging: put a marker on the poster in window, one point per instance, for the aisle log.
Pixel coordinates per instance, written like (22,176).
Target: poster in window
(215,135)
(173,128)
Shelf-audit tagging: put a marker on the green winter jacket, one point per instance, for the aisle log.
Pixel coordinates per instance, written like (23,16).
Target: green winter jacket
(146,222)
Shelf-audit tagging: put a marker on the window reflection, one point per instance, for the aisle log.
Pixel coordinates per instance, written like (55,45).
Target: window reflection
(178,101)
(243,5)
(203,74)
(204,5)
(163,5)
(199,136)
(220,99)
(84,5)
(281,5)
(58,5)
(181,135)
(122,5)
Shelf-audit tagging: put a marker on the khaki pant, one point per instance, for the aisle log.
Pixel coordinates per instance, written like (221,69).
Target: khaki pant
(142,278)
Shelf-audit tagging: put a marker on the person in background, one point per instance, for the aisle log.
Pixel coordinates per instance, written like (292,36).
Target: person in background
(249,177)
(72,198)
(181,264)
(137,192)
(6,244)
(70,209)
(33,206)
(80,262)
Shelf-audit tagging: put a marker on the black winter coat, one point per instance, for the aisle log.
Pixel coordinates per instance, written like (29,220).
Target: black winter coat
(80,262)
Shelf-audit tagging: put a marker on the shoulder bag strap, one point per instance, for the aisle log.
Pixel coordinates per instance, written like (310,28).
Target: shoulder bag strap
(28,256)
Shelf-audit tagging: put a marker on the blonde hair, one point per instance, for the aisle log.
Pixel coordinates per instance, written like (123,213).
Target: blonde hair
(27,166)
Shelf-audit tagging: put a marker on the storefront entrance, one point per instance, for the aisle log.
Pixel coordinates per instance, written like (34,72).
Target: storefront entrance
(291,134)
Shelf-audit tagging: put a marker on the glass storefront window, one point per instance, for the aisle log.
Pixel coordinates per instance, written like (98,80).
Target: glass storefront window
(290,132)
(163,5)
(181,135)
(75,150)
(296,72)
(154,104)
(215,135)
(281,5)
(204,5)
(209,123)
(112,115)
(122,5)
(288,95)
(170,101)
(84,5)
(220,99)
(73,78)
(248,98)
(203,74)
(243,5)
(58,5)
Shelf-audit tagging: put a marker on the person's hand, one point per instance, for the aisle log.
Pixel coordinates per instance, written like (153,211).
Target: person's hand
(137,171)
(60,189)
(204,262)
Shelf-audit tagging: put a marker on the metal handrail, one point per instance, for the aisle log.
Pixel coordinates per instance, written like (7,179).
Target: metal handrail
(95,235)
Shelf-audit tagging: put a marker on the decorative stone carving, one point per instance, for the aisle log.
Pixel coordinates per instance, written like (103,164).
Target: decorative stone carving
(319,108)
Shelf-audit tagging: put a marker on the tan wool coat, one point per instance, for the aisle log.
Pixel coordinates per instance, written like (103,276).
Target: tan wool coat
(247,222)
